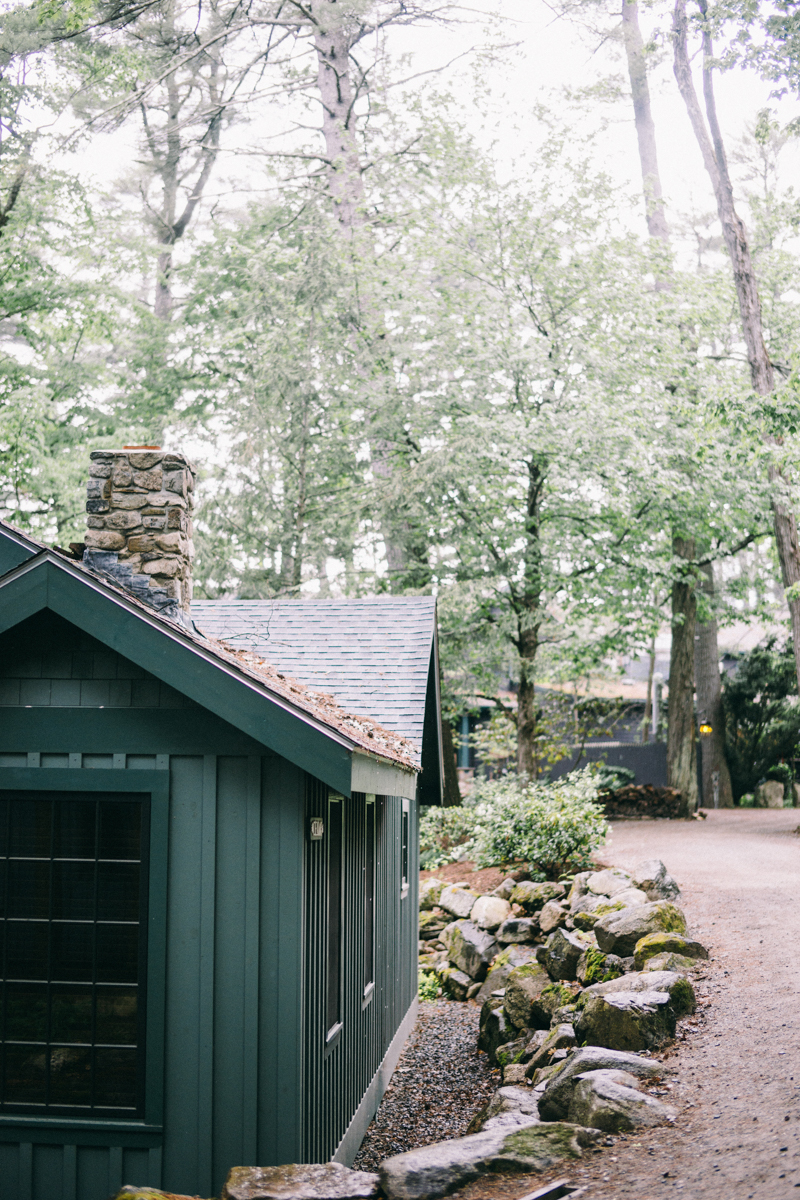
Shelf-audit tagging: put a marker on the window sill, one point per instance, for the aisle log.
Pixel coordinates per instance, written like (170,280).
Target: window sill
(332,1036)
(369,992)
(90,1130)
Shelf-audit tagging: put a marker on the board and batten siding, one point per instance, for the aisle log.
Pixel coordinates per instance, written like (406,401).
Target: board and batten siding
(245,1079)
(339,1074)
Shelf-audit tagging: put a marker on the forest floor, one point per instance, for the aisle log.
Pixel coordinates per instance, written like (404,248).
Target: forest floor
(737,1067)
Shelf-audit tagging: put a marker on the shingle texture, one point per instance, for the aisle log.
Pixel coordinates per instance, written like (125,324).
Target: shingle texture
(371,655)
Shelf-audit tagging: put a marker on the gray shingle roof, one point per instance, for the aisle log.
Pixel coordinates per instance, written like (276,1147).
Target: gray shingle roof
(372,655)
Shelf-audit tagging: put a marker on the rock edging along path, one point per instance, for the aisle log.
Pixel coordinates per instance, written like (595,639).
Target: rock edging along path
(737,1084)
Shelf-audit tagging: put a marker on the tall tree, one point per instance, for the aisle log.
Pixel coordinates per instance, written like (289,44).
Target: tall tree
(708,134)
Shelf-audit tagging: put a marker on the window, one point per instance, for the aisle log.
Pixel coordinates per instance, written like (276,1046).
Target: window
(405,846)
(369,895)
(334,956)
(73,920)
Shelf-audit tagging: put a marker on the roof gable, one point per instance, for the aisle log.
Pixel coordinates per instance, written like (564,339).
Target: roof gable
(302,726)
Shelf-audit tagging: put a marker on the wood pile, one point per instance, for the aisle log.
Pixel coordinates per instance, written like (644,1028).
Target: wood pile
(642,801)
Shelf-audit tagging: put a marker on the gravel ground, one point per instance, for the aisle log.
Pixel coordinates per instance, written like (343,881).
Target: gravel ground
(439,1084)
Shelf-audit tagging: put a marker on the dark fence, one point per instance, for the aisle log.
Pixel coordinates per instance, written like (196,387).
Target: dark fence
(647,759)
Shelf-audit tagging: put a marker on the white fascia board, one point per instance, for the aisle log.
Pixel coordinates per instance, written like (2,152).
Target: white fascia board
(381,778)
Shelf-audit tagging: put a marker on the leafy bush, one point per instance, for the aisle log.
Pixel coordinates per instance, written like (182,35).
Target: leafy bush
(762,717)
(428,986)
(610,778)
(445,835)
(552,826)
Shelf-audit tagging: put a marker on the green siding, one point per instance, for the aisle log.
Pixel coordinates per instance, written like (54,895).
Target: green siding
(245,1076)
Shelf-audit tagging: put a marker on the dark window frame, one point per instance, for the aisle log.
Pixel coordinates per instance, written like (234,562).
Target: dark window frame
(53,989)
(405,846)
(334,855)
(370,887)
(155,785)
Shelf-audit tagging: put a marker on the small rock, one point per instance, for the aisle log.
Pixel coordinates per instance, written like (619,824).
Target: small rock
(473,989)
(626,1020)
(432,923)
(469,948)
(512,1052)
(446,1166)
(578,888)
(654,879)
(561,953)
(514,1073)
(429,892)
(456,982)
(594,966)
(666,943)
(518,929)
(552,915)
(631,897)
(769,794)
(556,1003)
(457,900)
(561,1037)
(510,1105)
(519,955)
(613,1102)
(299,1181)
(555,1101)
(489,912)
(533,896)
(524,986)
(619,932)
(608,883)
(504,889)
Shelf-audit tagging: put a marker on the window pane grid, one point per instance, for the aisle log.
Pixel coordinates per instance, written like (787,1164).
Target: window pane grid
(72,959)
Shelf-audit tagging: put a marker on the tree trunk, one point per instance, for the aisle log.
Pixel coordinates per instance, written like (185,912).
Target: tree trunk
(528,604)
(715,160)
(645,129)
(452,793)
(648,704)
(681,748)
(709,706)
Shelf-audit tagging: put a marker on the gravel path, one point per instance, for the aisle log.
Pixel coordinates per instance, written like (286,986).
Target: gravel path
(439,1084)
(738,1075)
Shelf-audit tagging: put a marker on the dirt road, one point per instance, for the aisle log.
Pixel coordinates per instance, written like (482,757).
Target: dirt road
(738,1076)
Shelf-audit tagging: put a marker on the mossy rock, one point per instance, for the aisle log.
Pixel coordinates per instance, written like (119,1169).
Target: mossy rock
(671,962)
(433,921)
(524,986)
(603,910)
(129,1192)
(667,942)
(533,896)
(619,932)
(585,920)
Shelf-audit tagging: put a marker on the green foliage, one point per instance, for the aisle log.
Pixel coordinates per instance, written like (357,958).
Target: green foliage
(762,717)
(610,778)
(428,986)
(553,826)
(445,835)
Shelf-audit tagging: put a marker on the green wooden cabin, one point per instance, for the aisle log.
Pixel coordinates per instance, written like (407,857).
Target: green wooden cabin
(208,876)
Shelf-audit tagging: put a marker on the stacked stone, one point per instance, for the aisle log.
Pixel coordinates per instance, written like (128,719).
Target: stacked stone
(139,523)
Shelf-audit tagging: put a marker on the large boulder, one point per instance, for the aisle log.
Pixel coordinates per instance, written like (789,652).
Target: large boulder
(508,1106)
(561,954)
(299,1181)
(666,943)
(518,929)
(469,948)
(769,794)
(458,901)
(618,932)
(429,892)
(609,882)
(555,1100)
(670,962)
(654,879)
(447,1166)
(626,1020)
(489,912)
(495,1029)
(524,987)
(533,896)
(677,987)
(553,915)
(613,1102)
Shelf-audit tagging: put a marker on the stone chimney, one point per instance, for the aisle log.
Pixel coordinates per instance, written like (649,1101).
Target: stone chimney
(139,505)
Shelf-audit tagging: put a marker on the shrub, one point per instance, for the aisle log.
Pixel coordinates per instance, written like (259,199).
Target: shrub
(552,826)
(428,986)
(444,835)
(762,718)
